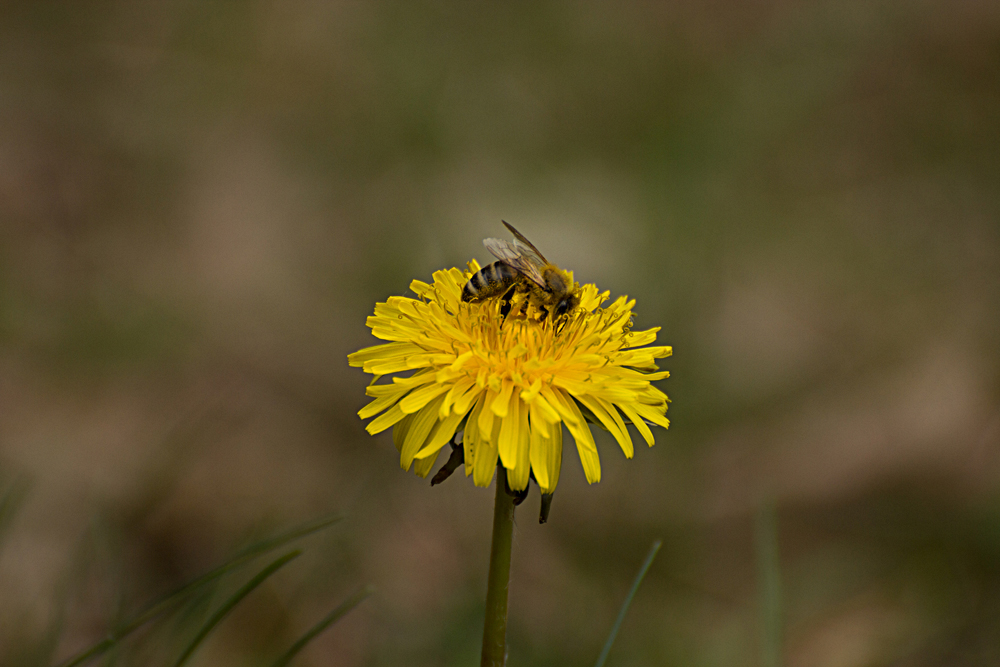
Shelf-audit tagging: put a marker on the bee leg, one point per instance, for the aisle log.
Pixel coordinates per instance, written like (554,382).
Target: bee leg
(456,459)
(506,301)
(544,311)
(543,514)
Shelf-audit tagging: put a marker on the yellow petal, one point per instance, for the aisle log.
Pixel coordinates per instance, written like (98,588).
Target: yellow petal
(487,415)
(424,466)
(652,413)
(531,392)
(379,390)
(383,351)
(538,445)
(472,435)
(507,445)
(557,399)
(538,422)
(502,401)
(642,357)
(456,391)
(608,415)
(638,338)
(518,476)
(545,409)
(416,435)
(554,458)
(442,433)
(415,380)
(400,430)
(393,365)
(640,425)
(379,404)
(486,459)
(585,445)
(385,420)
(418,399)
(465,401)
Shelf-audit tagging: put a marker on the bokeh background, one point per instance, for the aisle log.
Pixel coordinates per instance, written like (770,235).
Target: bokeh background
(202,201)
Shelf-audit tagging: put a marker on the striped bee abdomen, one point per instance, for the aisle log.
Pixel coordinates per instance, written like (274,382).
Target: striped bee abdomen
(490,281)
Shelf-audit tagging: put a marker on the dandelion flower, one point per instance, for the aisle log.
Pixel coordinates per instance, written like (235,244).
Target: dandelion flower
(513,379)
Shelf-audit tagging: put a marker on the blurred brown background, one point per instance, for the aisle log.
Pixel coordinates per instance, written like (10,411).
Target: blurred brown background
(200,203)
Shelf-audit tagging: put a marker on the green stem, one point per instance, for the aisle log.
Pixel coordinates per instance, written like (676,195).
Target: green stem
(495,627)
(769,582)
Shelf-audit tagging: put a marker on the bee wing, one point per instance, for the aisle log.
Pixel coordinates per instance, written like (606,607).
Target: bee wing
(521,241)
(524,259)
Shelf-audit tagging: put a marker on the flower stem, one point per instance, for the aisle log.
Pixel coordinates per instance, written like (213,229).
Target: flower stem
(495,627)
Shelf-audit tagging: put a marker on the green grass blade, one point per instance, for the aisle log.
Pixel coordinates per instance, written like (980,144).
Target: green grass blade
(247,554)
(234,600)
(94,651)
(10,503)
(170,599)
(628,601)
(342,609)
(768,583)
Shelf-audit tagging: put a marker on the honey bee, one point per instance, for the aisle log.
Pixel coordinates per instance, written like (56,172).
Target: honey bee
(520,266)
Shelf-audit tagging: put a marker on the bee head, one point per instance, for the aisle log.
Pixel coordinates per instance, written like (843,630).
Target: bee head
(565,305)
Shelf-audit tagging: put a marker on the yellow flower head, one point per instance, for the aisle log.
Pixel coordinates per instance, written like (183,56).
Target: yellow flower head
(513,379)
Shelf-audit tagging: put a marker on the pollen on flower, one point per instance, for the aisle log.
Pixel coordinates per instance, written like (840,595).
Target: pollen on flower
(509,381)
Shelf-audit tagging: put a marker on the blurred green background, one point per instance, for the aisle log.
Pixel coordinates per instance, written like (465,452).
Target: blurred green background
(200,203)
